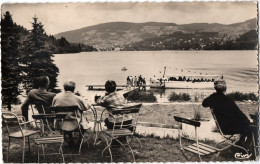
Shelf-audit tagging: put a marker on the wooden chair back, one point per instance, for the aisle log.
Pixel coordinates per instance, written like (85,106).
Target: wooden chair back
(70,111)
(72,114)
(187,121)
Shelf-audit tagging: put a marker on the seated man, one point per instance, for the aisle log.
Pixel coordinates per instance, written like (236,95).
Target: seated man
(230,118)
(38,96)
(110,100)
(68,98)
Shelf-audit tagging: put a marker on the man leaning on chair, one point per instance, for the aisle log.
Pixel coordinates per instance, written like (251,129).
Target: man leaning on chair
(229,117)
(38,96)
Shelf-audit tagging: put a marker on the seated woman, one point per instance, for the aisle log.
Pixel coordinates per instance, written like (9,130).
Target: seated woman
(110,101)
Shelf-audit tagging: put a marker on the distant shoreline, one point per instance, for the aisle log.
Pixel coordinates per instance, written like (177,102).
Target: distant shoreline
(157,51)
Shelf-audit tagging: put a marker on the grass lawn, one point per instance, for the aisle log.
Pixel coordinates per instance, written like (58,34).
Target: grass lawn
(154,150)
(163,113)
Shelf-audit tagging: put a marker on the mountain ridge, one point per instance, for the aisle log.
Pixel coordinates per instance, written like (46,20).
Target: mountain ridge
(119,34)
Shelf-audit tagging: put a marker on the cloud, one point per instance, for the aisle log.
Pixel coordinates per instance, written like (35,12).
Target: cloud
(62,17)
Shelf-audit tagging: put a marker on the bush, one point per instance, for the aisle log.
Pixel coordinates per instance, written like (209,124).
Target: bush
(239,96)
(179,97)
(141,96)
(197,114)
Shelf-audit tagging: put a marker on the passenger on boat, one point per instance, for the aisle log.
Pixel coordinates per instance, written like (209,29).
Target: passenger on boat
(132,81)
(128,83)
(144,84)
(135,81)
(160,81)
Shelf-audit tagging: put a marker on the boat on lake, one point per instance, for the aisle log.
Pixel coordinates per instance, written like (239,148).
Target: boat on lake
(124,69)
(183,81)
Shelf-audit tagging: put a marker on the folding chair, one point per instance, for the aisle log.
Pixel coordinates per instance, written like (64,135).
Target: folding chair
(51,138)
(17,129)
(196,148)
(122,129)
(229,140)
(255,134)
(72,114)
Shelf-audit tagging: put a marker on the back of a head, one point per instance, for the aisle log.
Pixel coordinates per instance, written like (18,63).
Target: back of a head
(43,81)
(69,86)
(220,86)
(110,86)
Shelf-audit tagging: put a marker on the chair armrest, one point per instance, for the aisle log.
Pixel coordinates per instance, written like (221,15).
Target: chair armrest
(27,122)
(187,121)
(111,114)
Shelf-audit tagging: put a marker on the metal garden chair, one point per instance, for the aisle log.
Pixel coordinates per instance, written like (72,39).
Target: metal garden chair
(255,134)
(202,149)
(121,129)
(196,148)
(228,140)
(72,114)
(51,138)
(17,129)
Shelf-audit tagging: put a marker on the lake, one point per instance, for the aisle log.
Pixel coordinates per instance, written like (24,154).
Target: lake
(239,68)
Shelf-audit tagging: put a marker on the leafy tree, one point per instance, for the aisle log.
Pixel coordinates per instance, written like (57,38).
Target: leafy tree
(10,65)
(37,58)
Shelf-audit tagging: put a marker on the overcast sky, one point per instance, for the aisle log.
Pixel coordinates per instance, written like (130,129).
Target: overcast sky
(69,16)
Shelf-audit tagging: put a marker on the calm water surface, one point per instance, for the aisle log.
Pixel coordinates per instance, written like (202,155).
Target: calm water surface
(239,68)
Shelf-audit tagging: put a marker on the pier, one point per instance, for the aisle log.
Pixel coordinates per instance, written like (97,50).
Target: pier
(102,87)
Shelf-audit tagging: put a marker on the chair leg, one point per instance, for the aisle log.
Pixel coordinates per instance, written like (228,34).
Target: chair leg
(38,149)
(108,147)
(9,142)
(254,145)
(131,151)
(23,149)
(139,142)
(43,148)
(80,145)
(29,145)
(185,156)
(215,156)
(61,151)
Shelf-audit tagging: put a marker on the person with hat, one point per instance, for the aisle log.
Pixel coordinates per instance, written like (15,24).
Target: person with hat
(230,118)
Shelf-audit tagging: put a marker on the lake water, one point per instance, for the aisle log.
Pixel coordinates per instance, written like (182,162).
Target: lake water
(239,68)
